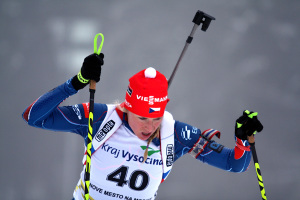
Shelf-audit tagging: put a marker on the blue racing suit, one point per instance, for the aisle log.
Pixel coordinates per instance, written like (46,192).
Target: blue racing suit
(46,113)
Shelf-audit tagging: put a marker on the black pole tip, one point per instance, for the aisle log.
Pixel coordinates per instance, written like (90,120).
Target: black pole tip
(203,18)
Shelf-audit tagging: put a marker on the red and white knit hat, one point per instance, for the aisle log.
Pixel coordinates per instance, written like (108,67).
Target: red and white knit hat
(147,93)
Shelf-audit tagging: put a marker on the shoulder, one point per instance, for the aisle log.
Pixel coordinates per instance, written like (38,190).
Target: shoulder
(100,110)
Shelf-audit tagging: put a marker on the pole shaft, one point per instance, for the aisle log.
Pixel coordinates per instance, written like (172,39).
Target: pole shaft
(251,141)
(89,141)
(188,41)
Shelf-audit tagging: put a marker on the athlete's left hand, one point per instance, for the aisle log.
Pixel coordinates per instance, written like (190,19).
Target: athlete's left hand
(247,125)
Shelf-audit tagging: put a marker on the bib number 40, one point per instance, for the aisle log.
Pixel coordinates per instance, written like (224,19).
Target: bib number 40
(138,179)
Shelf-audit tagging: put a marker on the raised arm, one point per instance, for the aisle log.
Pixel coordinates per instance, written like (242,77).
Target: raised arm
(45,113)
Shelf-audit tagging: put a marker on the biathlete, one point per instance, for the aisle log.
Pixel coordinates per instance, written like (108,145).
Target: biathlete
(135,143)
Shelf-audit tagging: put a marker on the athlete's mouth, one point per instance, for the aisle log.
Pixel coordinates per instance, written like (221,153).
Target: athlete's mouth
(146,134)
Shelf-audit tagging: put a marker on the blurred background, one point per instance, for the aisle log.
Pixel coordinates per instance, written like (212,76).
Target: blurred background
(247,59)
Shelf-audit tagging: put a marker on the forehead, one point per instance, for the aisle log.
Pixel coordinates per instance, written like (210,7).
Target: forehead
(131,114)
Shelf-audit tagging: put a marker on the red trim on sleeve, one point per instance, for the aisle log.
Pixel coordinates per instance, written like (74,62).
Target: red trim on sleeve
(27,111)
(86,108)
(240,149)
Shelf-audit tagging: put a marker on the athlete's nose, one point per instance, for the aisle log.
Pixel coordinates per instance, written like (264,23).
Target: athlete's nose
(149,126)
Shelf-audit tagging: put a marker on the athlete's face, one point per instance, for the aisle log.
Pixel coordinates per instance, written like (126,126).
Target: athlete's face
(143,127)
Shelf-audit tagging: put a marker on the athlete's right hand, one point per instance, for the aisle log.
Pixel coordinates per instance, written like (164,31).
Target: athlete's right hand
(90,70)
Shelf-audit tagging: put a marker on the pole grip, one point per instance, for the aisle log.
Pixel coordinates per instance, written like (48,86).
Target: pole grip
(251,139)
(92,85)
(205,19)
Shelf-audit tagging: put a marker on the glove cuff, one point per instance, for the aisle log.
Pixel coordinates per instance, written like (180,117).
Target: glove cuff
(81,79)
(241,146)
(77,84)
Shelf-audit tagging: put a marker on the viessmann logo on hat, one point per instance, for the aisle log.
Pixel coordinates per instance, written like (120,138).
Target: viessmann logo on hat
(151,99)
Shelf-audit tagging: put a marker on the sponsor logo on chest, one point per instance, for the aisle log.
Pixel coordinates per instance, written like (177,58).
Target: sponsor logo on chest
(105,129)
(170,155)
(132,157)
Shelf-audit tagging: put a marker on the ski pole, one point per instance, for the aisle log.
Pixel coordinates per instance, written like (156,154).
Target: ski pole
(205,19)
(92,90)
(251,141)
(200,18)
